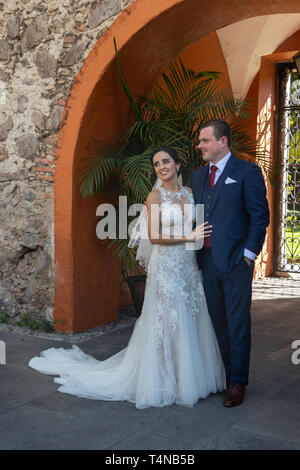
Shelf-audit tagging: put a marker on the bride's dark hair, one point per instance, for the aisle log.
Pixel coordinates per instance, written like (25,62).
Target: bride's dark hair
(170,151)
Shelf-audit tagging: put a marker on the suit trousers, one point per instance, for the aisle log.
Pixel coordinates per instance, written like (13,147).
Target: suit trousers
(228,296)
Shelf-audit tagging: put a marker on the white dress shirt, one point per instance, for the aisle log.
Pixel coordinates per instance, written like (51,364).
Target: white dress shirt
(220,167)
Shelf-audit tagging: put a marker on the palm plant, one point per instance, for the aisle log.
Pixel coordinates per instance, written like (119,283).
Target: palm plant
(171,114)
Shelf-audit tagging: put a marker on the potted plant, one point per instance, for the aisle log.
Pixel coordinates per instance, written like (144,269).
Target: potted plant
(171,114)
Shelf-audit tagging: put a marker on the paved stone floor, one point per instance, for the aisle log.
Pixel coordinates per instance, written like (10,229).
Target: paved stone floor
(33,415)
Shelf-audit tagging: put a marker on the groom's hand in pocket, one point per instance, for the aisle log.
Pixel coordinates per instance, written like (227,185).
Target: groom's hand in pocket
(248,260)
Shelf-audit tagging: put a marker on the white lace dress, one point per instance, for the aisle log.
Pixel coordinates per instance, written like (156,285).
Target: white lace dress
(173,354)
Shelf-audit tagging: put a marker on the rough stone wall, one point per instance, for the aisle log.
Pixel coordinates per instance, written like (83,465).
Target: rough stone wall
(42,47)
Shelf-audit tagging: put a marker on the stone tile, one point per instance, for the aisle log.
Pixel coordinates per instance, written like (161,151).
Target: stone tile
(112,423)
(259,390)
(20,349)
(289,393)
(44,444)
(35,416)
(235,439)
(263,344)
(142,440)
(100,351)
(66,404)
(24,425)
(19,386)
(276,369)
(206,419)
(278,317)
(275,288)
(118,338)
(277,419)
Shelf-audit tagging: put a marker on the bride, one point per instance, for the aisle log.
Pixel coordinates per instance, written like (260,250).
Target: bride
(173,354)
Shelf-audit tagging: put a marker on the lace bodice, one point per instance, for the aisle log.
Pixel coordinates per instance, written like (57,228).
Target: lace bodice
(172,268)
(177,211)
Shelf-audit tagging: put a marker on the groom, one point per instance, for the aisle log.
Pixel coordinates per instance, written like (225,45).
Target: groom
(233,193)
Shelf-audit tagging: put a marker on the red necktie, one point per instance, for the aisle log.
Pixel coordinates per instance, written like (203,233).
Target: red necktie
(213,169)
(212,176)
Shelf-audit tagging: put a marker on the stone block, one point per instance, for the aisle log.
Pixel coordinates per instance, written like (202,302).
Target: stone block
(34,34)
(27,146)
(30,240)
(3,153)
(46,64)
(51,139)
(4,76)
(5,128)
(54,120)
(38,119)
(5,50)
(75,53)
(103,11)
(30,196)
(7,300)
(11,256)
(22,100)
(9,190)
(13,26)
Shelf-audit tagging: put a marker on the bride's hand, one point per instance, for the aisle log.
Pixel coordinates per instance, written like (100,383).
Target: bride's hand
(201,231)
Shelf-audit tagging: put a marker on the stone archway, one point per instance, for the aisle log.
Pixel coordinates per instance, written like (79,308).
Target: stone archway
(149,35)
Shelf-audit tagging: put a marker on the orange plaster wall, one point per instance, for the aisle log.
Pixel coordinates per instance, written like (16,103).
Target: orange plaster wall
(252,97)
(96,268)
(266,136)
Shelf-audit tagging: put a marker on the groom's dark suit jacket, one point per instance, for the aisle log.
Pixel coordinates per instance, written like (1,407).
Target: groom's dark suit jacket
(238,211)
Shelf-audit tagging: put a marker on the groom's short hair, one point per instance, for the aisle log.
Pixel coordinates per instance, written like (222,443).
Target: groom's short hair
(220,128)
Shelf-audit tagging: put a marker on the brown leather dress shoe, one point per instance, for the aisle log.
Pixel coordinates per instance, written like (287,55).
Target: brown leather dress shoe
(235,395)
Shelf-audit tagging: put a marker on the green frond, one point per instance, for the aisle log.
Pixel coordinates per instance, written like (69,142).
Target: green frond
(177,82)
(209,103)
(137,176)
(157,132)
(97,173)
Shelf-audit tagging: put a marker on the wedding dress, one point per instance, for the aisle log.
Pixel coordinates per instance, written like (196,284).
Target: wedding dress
(173,354)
